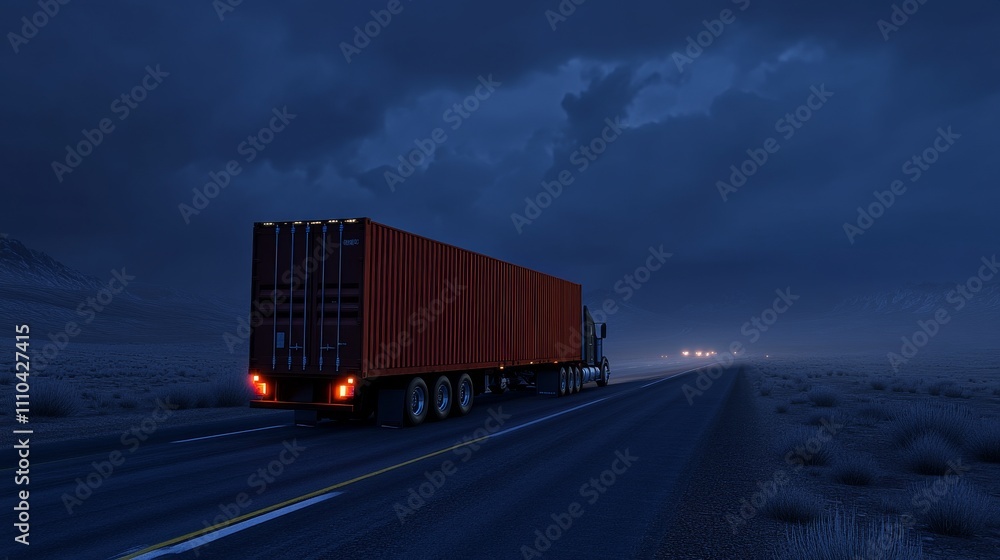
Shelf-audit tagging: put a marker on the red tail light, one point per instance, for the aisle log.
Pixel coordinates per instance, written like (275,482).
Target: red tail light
(259,387)
(345,391)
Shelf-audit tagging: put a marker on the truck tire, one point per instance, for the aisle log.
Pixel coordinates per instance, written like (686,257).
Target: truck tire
(563,382)
(579,379)
(464,394)
(604,375)
(441,398)
(571,388)
(415,402)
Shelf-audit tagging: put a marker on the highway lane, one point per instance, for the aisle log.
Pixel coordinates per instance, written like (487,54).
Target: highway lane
(482,499)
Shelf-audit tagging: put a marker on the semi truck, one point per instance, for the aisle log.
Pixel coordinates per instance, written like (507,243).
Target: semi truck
(351,318)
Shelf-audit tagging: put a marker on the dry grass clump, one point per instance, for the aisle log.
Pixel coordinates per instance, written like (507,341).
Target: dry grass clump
(53,400)
(842,537)
(824,396)
(962,511)
(793,505)
(931,454)
(855,470)
(952,423)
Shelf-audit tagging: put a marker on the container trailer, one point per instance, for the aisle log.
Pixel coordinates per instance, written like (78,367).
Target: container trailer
(353,318)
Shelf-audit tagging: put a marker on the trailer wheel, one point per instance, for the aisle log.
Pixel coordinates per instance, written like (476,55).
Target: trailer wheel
(579,379)
(563,382)
(441,398)
(605,375)
(464,395)
(415,402)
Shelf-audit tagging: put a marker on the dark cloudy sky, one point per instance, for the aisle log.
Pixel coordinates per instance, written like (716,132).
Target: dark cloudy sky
(656,184)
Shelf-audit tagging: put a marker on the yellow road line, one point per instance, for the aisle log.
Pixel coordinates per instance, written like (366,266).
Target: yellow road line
(298,499)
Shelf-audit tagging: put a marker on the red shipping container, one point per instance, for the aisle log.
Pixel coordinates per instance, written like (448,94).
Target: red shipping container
(338,297)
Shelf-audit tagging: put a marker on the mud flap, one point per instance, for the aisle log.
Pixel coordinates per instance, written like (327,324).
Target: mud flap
(547,383)
(390,408)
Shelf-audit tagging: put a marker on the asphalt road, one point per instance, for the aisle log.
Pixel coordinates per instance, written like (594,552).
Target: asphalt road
(591,475)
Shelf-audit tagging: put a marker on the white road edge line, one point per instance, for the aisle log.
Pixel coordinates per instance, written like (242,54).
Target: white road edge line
(544,418)
(673,375)
(227,434)
(216,535)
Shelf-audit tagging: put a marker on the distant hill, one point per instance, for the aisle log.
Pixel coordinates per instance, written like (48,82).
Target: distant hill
(39,290)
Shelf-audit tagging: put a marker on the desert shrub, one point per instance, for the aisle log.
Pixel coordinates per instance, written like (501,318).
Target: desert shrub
(950,422)
(879,383)
(855,470)
(962,511)
(781,408)
(203,397)
(766,388)
(231,391)
(823,396)
(181,397)
(930,454)
(793,505)
(986,443)
(129,402)
(956,392)
(803,446)
(53,400)
(105,404)
(843,537)
(938,388)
